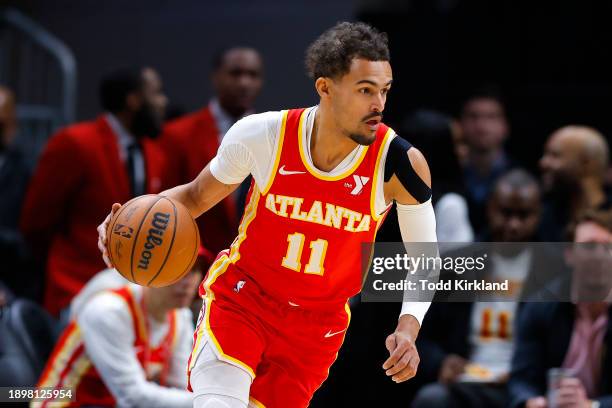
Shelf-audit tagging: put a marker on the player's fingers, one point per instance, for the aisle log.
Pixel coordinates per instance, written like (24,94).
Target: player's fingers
(390,343)
(102,229)
(101,245)
(400,349)
(107,260)
(115,208)
(408,371)
(399,366)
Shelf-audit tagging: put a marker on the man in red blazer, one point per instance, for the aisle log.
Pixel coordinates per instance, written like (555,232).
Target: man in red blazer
(83,170)
(192,140)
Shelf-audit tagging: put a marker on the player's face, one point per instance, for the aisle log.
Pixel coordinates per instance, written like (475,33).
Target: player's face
(358,99)
(238,80)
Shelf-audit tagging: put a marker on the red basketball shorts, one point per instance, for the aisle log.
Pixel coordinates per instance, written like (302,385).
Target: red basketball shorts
(287,350)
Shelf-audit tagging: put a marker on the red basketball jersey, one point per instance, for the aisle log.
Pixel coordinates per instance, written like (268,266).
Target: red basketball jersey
(300,237)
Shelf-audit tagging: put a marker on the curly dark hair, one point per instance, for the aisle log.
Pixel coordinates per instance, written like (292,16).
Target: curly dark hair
(331,54)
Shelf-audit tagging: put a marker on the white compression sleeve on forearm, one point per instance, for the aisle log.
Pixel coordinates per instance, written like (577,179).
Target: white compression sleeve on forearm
(417,223)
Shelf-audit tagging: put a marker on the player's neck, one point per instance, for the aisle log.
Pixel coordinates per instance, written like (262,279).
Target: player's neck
(154,305)
(328,144)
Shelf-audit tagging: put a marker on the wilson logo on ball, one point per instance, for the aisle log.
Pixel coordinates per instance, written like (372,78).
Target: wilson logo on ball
(154,238)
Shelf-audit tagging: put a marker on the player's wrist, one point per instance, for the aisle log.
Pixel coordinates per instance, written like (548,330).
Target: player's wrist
(408,325)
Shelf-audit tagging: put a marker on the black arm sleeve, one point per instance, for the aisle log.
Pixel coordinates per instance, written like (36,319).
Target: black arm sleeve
(399,164)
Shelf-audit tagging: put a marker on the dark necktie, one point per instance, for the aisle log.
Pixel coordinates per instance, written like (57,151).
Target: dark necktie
(134,166)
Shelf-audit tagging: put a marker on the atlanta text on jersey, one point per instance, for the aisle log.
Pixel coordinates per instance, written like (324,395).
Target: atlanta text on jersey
(319,213)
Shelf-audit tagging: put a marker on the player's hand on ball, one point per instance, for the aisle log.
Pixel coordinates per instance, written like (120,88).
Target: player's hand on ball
(102,234)
(404,359)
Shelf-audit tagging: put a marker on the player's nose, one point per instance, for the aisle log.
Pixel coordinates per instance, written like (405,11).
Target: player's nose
(378,104)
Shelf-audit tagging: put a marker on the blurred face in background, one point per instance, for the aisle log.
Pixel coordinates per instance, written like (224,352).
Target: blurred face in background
(560,165)
(591,258)
(484,124)
(238,80)
(180,294)
(149,105)
(514,213)
(8,118)
(358,98)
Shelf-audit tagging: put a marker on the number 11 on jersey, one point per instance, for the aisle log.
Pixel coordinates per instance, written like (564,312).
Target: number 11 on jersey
(318,249)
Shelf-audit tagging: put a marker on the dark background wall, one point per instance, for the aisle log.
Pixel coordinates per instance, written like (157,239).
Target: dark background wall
(551,58)
(179,38)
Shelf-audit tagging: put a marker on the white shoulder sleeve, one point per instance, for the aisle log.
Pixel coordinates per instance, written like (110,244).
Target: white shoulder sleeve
(108,335)
(247,148)
(417,223)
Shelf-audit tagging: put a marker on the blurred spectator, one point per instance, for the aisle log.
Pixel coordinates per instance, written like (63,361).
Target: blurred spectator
(576,336)
(468,365)
(485,128)
(127,346)
(435,136)
(192,141)
(5,296)
(14,177)
(573,168)
(83,170)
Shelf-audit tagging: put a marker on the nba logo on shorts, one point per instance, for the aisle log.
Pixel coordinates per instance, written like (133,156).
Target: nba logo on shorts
(239,286)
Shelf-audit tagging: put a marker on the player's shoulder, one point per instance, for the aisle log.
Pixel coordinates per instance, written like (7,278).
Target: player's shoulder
(399,145)
(262,119)
(410,166)
(255,128)
(106,303)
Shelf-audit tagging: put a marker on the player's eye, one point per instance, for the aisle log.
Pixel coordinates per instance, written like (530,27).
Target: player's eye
(365,91)
(384,91)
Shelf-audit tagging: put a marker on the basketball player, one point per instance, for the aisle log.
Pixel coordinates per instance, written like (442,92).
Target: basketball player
(125,346)
(275,304)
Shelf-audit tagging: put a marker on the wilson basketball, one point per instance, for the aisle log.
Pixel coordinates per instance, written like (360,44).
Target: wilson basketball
(153,240)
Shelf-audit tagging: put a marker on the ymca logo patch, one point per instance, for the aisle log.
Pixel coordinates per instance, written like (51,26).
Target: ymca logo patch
(360,182)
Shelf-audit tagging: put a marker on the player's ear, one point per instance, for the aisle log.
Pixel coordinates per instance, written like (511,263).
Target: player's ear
(323,86)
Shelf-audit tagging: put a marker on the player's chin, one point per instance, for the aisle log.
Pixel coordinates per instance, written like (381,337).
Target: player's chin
(364,138)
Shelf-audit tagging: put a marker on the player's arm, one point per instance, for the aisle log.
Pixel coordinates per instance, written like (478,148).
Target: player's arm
(408,183)
(202,193)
